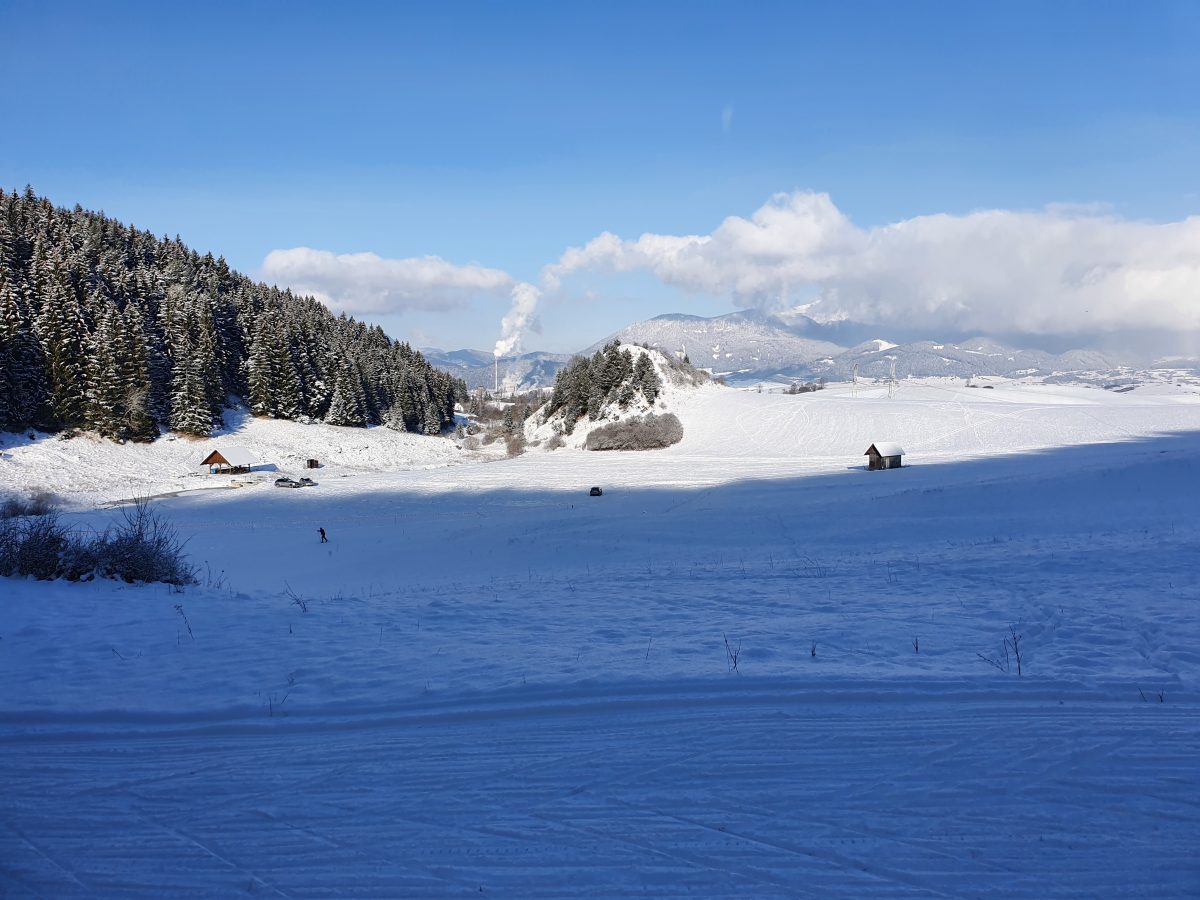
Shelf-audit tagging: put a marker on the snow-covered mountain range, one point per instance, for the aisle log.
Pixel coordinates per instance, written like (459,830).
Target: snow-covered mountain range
(738,342)
(478,368)
(751,346)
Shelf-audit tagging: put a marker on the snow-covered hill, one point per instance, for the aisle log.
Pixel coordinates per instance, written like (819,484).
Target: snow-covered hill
(674,380)
(87,470)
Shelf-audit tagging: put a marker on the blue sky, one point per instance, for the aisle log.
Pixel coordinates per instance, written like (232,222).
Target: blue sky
(502,134)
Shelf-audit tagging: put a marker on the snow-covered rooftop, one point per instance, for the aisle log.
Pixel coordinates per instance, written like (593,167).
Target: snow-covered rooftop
(237,456)
(887,448)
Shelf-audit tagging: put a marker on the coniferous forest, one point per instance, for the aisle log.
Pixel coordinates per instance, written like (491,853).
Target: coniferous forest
(107,328)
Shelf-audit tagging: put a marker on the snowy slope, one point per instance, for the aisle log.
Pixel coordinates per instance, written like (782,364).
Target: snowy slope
(489,681)
(87,470)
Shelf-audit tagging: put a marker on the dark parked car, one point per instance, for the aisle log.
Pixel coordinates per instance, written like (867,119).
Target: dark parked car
(287,482)
(307,482)
(595,492)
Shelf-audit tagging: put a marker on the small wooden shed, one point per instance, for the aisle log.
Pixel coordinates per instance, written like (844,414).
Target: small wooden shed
(230,461)
(884,455)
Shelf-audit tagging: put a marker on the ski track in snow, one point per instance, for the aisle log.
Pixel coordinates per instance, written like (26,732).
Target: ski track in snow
(743,792)
(501,685)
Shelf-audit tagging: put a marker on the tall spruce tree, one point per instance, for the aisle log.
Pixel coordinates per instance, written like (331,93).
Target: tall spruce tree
(348,406)
(25,382)
(189,399)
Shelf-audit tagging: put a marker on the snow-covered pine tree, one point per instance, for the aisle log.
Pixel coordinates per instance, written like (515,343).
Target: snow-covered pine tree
(105,387)
(190,412)
(61,332)
(645,378)
(209,354)
(348,406)
(260,378)
(25,380)
(138,424)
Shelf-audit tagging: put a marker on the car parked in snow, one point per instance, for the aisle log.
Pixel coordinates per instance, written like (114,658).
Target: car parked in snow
(305,481)
(285,481)
(595,492)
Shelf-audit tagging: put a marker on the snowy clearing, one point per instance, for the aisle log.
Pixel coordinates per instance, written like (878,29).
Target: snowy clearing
(490,681)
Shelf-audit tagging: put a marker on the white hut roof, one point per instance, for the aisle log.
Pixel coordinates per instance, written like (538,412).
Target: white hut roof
(238,456)
(885,448)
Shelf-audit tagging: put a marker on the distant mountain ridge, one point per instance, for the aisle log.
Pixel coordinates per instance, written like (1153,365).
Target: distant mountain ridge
(750,346)
(738,342)
(478,368)
(979,356)
(753,346)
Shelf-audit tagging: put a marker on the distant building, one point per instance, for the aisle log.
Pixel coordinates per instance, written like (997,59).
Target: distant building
(884,455)
(230,461)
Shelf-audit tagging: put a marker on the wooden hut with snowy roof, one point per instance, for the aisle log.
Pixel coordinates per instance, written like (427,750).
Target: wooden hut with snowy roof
(230,461)
(884,455)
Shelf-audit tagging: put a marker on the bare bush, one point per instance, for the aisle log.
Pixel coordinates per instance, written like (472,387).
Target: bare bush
(806,387)
(731,655)
(33,546)
(1013,642)
(682,372)
(555,442)
(143,547)
(649,432)
(36,504)
(514,444)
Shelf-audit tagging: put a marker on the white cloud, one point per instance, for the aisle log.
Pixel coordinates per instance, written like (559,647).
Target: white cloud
(1059,270)
(364,283)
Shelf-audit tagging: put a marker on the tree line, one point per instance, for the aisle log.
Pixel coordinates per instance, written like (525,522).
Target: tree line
(107,328)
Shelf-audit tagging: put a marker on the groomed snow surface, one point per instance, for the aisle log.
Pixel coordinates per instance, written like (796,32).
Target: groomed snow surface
(489,683)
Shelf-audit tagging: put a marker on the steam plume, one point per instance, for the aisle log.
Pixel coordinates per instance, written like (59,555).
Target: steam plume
(518,320)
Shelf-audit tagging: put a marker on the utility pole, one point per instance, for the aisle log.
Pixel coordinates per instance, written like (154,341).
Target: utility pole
(892,380)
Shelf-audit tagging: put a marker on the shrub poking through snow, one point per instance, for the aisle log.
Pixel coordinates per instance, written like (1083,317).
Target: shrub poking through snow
(648,432)
(37,504)
(141,547)
(33,545)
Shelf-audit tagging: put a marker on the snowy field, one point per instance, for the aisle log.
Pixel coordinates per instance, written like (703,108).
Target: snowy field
(490,683)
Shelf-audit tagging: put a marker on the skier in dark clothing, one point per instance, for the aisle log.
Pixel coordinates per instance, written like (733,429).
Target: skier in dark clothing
(324,540)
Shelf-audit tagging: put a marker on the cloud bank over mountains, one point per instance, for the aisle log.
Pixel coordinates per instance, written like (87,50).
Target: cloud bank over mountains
(1061,270)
